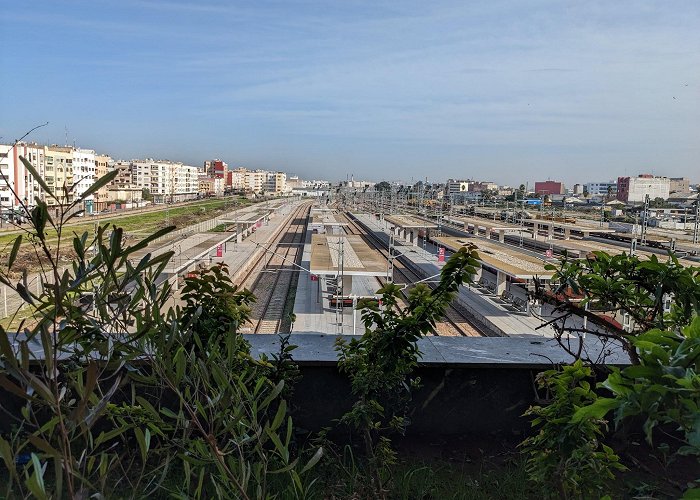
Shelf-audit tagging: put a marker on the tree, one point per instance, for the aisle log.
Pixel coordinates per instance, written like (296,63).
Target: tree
(612,290)
(126,395)
(146,194)
(659,304)
(382,186)
(381,362)
(609,195)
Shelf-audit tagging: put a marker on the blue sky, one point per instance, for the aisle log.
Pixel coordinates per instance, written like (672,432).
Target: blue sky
(497,90)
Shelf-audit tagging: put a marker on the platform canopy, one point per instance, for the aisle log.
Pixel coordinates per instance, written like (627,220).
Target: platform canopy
(325,219)
(504,258)
(409,222)
(571,227)
(247,219)
(495,225)
(359,259)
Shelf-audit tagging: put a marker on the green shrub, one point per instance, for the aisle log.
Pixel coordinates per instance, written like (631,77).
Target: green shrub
(566,457)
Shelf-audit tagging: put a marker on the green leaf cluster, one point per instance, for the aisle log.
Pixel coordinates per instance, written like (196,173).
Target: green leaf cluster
(566,456)
(381,362)
(112,392)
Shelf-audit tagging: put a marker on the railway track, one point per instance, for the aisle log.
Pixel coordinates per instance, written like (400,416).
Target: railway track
(456,320)
(275,275)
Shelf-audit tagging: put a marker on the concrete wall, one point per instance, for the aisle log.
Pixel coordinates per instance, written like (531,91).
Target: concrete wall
(469,385)
(450,401)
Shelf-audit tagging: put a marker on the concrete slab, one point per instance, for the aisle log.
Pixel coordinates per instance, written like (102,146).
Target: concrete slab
(514,352)
(409,222)
(359,259)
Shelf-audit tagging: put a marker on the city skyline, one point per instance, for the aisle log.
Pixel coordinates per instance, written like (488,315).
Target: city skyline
(505,92)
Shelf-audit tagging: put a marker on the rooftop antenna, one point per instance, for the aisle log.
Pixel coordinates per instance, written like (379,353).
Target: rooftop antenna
(66,129)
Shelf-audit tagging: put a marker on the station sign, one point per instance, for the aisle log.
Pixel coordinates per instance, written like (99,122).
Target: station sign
(549,253)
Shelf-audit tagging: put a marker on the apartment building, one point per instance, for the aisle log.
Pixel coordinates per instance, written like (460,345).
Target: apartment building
(634,189)
(236,178)
(211,186)
(84,174)
(679,185)
(58,174)
(276,182)
(215,168)
(102,167)
(255,180)
(167,181)
(15,176)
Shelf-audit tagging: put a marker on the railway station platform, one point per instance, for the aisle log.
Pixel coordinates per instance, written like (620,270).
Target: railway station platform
(485,307)
(475,226)
(209,248)
(323,221)
(565,230)
(505,272)
(322,292)
(408,228)
(248,223)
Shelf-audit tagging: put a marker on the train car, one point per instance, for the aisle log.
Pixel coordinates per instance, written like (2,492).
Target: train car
(627,239)
(344,302)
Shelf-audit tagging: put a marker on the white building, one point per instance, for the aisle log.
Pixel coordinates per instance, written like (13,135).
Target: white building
(238,178)
(17,177)
(255,180)
(84,171)
(600,188)
(635,189)
(167,181)
(456,187)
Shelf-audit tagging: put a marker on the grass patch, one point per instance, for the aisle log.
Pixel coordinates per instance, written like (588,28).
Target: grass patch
(133,224)
(414,478)
(146,221)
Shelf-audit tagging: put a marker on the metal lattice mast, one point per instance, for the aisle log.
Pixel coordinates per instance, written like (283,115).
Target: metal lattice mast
(645,221)
(339,292)
(390,262)
(696,229)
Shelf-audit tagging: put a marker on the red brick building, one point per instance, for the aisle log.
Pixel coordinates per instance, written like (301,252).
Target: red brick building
(215,168)
(549,187)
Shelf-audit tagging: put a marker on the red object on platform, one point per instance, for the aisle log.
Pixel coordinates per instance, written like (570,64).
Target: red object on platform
(314,277)
(219,250)
(441,254)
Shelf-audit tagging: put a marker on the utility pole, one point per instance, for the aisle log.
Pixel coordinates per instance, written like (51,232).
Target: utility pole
(697,223)
(339,291)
